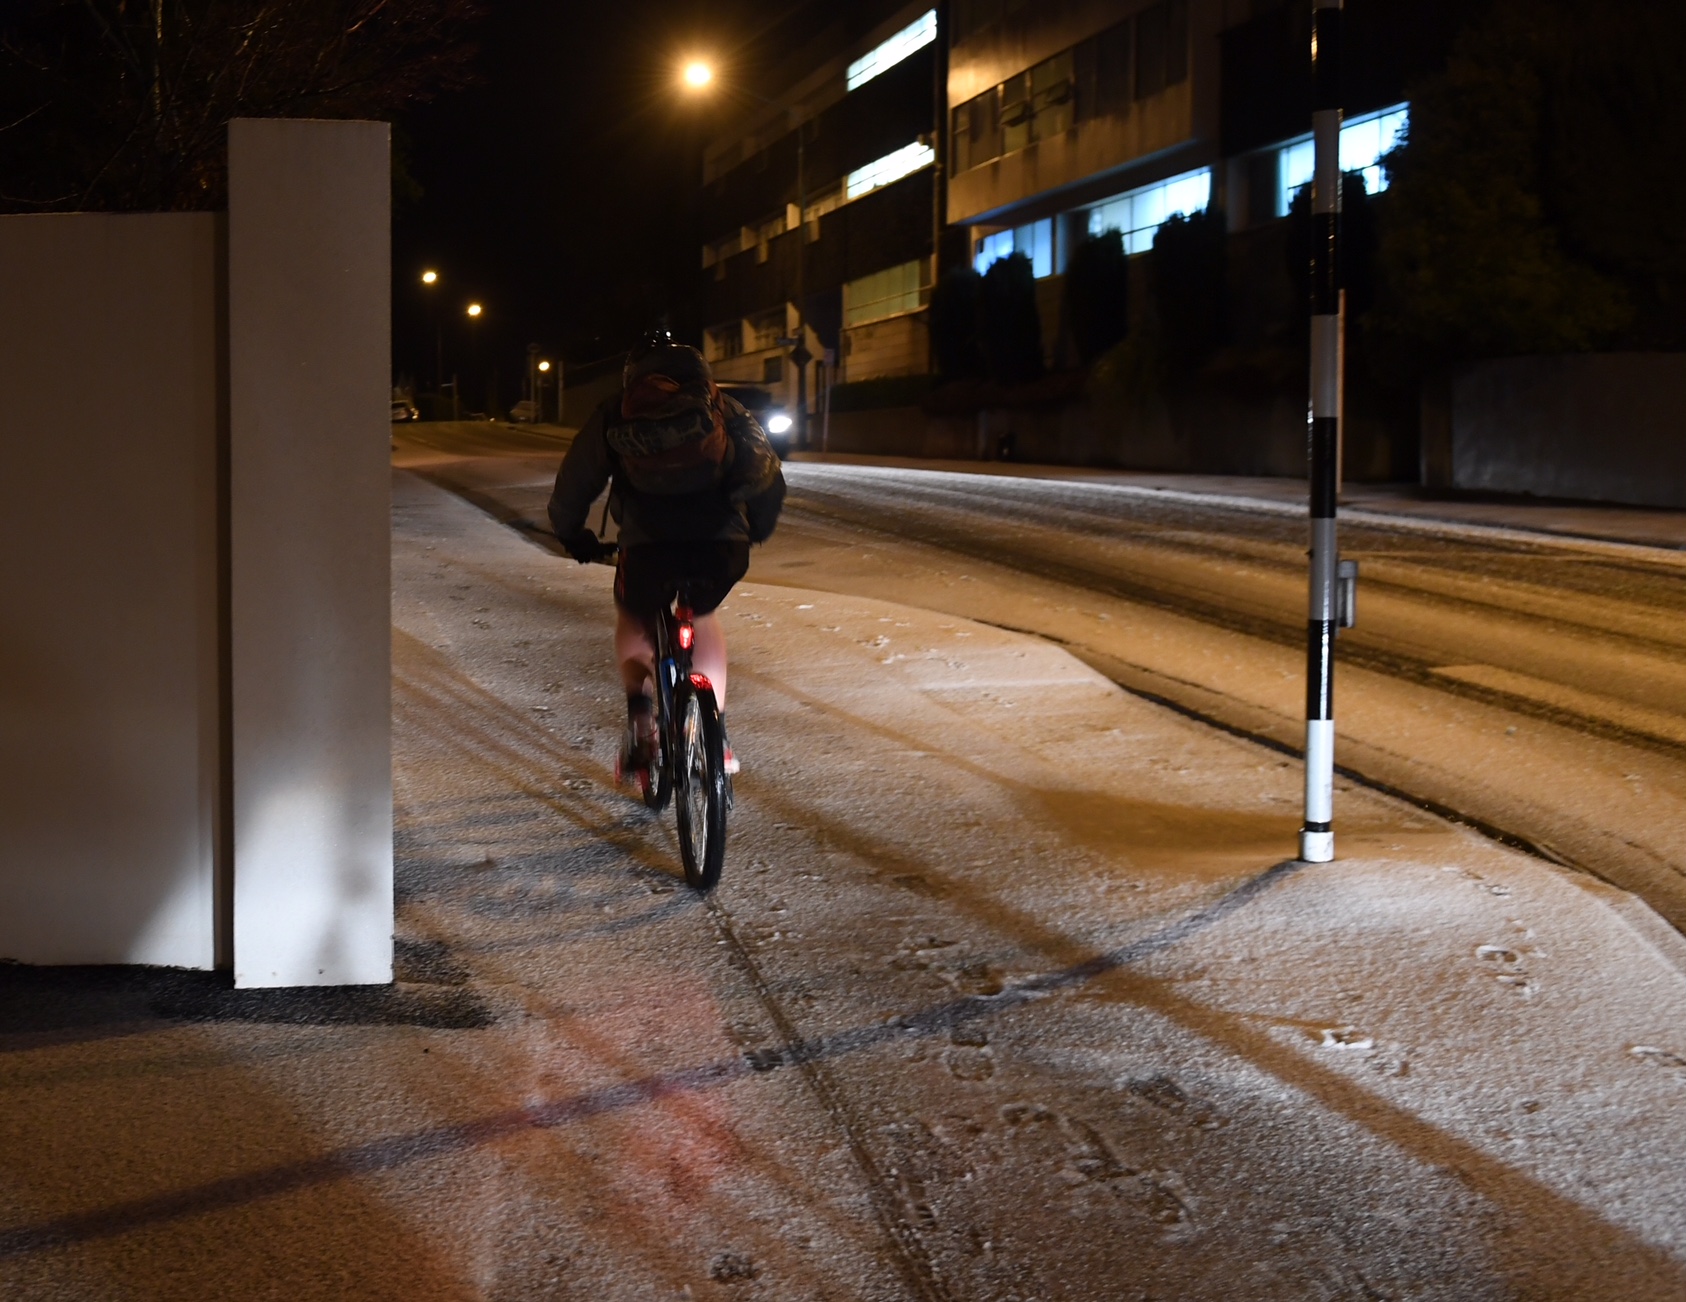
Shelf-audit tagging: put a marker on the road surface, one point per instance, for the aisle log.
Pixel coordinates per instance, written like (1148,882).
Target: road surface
(1533,685)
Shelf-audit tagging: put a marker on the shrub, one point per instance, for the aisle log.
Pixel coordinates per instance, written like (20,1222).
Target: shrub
(1357,249)
(954,324)
(1097,294)
(1529,211)
(1010,329)
(1190,291)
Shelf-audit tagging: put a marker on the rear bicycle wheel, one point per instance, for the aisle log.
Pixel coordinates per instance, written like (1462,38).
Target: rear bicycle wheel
(701,786)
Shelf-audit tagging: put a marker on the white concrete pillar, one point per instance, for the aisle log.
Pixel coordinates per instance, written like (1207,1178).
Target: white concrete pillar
(109,416)
(310,628)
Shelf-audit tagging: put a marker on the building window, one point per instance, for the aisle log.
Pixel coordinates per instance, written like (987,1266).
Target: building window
(903,288)
(1364,141)
(915,36)
(892,167)
(724,341)
(1095,78)
(1016,113)
(1051,97)
(1161,47)
(772,370)
(1035,240)
(1101,67)
(1140,213)
(977,130)
(766,329)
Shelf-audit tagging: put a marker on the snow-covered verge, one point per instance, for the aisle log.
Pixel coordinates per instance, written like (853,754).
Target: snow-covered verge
(1010,991)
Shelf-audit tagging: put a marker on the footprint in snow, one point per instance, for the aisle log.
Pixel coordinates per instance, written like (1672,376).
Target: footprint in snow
(1656,1057)
(1508,963)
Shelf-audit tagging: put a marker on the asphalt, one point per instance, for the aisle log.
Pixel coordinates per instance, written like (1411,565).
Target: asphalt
(1010,992)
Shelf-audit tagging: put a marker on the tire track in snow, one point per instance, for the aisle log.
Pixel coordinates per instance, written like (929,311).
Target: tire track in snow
(897,1220)
(853,513)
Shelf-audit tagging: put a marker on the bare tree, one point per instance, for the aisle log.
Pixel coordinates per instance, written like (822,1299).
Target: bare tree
(123,104)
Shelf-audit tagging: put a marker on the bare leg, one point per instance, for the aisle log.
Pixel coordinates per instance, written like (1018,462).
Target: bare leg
(708,654)
(634,652)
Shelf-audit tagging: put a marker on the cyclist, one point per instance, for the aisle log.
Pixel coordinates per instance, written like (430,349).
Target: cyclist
(692,483)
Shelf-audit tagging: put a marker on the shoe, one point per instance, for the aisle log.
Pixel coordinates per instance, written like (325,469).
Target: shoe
(730,760)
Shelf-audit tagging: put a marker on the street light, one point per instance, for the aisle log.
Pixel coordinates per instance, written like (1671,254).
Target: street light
(431,277)
(696,75)
(474,309)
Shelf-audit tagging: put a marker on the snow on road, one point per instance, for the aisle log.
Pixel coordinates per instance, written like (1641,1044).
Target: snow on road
(1031,1004)
(1009,993)
(1538,685)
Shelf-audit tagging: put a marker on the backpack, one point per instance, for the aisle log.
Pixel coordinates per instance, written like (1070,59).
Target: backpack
(687,451)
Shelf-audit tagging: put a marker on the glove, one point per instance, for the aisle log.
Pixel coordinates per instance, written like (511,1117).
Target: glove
(582,546)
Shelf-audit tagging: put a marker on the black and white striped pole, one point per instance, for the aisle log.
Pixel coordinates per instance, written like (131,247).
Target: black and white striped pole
(1330,582)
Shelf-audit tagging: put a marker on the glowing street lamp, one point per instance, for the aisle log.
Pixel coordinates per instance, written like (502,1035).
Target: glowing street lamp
(431,277)
(474,309)
(696,75)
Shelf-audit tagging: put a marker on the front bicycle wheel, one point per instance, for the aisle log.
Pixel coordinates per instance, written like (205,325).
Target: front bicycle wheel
(701,787)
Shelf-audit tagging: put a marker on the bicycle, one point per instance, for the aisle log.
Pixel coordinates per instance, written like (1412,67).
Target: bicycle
(688,741)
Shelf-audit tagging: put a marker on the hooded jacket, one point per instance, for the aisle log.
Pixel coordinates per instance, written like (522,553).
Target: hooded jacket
(743,505)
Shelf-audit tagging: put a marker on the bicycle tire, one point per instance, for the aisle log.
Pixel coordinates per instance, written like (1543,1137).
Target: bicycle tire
(700,786)
(655,784)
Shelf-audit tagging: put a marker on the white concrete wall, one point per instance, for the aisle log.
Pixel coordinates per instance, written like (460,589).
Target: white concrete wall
(109,419)
(309,363)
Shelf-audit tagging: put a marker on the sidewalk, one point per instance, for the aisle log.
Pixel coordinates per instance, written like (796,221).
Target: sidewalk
(1009,992)
(1644,526)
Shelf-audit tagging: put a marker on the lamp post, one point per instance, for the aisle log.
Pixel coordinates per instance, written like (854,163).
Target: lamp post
(697,75)
(430,278)
(473,312)
(538,400)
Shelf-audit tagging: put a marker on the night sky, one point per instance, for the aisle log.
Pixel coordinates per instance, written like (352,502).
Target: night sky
(559,190)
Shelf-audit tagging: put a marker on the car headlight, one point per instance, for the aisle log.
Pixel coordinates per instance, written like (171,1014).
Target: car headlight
(778,423)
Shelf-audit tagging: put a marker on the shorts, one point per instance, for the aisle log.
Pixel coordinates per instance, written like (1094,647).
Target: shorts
(649,575)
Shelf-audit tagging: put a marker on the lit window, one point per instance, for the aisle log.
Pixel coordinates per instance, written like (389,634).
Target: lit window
(992,248)
(915,36)
(885,293)
(892,167)
(1035,240)
(1140,213)
(1364,141)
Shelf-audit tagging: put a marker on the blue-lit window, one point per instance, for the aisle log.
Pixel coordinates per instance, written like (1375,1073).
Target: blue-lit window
(892,167)
(1035,240)
(915,36)
(1363,143)
(1138,214)
(992,248)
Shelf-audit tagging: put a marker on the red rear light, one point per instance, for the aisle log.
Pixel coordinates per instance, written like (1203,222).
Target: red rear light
(687,635)
(701,683)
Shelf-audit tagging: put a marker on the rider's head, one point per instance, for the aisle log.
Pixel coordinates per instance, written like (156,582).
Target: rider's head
(663,379)
(655,353)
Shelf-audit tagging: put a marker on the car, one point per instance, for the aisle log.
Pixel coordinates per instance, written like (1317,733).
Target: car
(524,412)
(773,416)
(403,411)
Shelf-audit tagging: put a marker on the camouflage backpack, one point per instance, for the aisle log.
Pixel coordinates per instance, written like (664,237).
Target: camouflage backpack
(669,431)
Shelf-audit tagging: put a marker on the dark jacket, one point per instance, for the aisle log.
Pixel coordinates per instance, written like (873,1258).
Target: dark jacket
(744,505)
